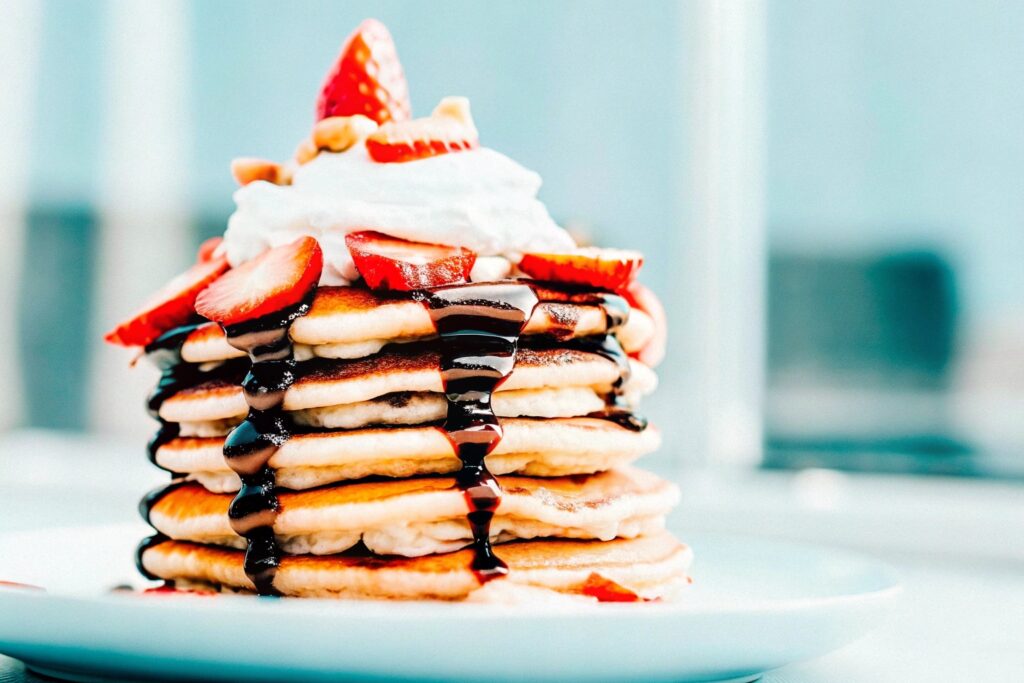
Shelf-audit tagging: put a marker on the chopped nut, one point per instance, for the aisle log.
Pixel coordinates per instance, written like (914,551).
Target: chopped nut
(338,133)
(246,170)
(287,172)
(455,108)
(306,151)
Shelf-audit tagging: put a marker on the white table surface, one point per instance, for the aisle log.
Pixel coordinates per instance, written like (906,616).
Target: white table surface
(961,618)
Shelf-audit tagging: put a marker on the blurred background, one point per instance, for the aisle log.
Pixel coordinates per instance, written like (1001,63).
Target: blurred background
(829,195)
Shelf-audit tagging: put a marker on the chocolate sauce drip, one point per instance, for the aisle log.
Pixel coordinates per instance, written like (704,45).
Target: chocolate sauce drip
(615,308)
(616,313)
(144,545)
(175,375)
(479,327)
(250,445)
(165,354)
(616,408)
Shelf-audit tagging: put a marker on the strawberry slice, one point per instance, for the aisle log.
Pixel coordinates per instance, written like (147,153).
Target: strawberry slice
(172,306)
(642,298)
(367,79)
(606,590)
(20,586)
(390,263)
(207,248)
(610,269)
(171,590)
(449,128)
(273,281)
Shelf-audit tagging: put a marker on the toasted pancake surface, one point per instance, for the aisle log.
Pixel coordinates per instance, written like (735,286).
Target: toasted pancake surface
(355,316)
(324,383)
(424,515)
(532,447)
(653,566)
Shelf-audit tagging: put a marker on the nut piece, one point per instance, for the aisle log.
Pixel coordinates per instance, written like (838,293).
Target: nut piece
(247,169)
(338,133)
(287,172)
(454,108)
(306,151)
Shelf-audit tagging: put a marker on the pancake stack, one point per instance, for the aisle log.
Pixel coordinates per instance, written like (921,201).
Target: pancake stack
(419,432)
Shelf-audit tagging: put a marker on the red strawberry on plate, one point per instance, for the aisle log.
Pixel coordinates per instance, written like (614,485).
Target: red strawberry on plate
(448,129)
(606,590)
(642,298)
(367,79)
(273,281)
(390,263)
(172,306)
(610,269)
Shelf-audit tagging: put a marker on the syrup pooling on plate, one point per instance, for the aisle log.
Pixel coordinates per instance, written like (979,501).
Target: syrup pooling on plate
(479,327)
(250,445)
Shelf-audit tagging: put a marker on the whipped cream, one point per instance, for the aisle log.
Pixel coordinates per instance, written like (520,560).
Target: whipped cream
(478,199)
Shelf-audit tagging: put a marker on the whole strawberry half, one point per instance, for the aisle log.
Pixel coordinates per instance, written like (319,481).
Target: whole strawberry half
(390,263)
(273,281)
(173,305)
(367,79)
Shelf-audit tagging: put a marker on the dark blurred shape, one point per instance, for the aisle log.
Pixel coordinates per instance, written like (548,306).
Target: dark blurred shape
(54,313)
(859,357)
(886,320)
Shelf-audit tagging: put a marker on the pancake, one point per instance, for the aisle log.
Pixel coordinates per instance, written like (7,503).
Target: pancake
(531,447)
(325,383)
(406,408)
(652,566)
(426,515)
(349,322)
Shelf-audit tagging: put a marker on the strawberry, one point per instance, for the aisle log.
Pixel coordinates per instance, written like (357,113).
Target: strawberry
(172,306)
(207,249)
(390,263)
(168,589)
(606,590)
(448,129)
(273,281)
(642,298)
(610,269)
(367,79)
(20,586)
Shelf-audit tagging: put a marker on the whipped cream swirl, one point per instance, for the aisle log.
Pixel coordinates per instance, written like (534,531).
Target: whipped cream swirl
(478,199)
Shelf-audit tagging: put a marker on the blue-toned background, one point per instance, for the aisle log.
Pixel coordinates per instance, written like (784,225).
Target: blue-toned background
(888,189)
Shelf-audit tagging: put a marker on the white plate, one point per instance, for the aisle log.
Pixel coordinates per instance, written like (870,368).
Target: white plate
(755,606)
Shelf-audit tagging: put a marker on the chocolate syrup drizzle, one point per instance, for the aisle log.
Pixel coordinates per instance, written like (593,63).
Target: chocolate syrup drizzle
(250,445)
(145,508)
(479,327)
(175,375)
(147,543)
(616,313)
